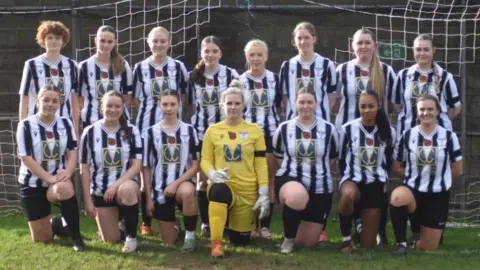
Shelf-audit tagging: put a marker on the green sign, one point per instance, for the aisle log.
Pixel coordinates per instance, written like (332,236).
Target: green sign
(392,49)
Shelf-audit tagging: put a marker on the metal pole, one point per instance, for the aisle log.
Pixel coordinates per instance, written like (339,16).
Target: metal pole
(463,96)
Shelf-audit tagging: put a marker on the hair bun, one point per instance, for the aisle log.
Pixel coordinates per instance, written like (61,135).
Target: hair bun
(236,83)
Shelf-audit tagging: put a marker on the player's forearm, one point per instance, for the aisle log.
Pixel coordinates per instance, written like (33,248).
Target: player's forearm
(146,178)
(452,113)
(85,180)
(76,115)
(23,110)
(457,169)
(35,168)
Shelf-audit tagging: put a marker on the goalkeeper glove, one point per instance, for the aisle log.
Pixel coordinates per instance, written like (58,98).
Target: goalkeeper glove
(263,202)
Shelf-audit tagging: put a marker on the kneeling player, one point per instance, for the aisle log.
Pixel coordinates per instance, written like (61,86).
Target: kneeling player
(47,147)
(366,151)
(304,147)
(233,158)
(114,149)
(171,162)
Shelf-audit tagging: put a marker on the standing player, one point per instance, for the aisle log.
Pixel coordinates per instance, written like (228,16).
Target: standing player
(262,96)
(51,68)
(105,71)
(233,158)
(47,147)
(151,77)
(308,70)
(366,146)
(362,73)
(424,77)
(208,80)
(111,156)
(304,146)
(433,157)
(170,165)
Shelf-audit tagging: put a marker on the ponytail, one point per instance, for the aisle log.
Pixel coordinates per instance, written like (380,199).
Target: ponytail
(197,73)
(377,77)
(117,62)
(381,119)
(124,125)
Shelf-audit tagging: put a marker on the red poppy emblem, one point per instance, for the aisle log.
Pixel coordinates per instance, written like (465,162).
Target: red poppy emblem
(306,73)
(306,135)
(258,85)
(369,141)
(423,78)
(49,135)
(427,143)
(104,75)
(209,82)
(364,73)
(158,73)
(232,135)
(111,142)
(54,72)
(171,140)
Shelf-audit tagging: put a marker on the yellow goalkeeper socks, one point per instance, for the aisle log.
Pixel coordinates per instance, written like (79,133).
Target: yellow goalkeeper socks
(217,213)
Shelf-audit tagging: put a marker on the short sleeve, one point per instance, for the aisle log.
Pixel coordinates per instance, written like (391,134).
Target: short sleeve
(72,137)
(283,78)
(454,150)
(127,80)
(277,140)
(397,89)
(84,152)
(334,143)
(136,145)
(452,98)
(331,78)
(183,80)
(194,148)
(399,154)
(27,80)
(24,139)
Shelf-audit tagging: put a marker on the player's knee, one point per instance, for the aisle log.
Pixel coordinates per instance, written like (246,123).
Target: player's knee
(186,193)
(239,238)
(128,194)
(295,196)
(220,193)
(63,191)
(398,197)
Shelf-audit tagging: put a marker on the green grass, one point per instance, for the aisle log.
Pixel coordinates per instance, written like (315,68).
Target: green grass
(460,251)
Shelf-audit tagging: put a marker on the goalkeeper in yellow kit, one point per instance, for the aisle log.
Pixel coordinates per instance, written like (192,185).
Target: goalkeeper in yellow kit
(233,158)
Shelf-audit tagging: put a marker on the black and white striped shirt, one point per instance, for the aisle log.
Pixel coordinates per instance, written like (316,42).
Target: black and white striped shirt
(411,84)
(38,72)
(261,98)
(94,81)
(169,154)
(306,153)
(428,158)
(352,80)
(363,153)
(149,81)
(48,145)
(318,76)
(109,153)
(207,98)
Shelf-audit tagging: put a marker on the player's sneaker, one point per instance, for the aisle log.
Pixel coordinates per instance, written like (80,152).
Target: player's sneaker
(287,246)
(413,239)
(205,231)
(189,245)
(130,245)
(400,249)
(346,247)
(57,227)
(254,234)
(323,237)
(78,244)
(265,233)
(217,249)
(146,230)
(382,241)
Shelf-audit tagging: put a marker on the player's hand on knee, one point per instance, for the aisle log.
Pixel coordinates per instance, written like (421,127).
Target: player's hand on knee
(90,210)
(262,203)
(218,176)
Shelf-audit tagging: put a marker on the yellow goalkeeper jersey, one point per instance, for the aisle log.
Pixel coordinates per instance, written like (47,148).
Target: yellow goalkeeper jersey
(241,149)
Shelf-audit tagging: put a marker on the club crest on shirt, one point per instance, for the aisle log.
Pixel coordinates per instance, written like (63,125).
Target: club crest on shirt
(368,156)
(185,138)
(210,96)
(103,87)
(243,135)
(259,98)
(171,153)
(50,150)
(159,85)
(426,155)
(59,83)
(308,83)
(361,85)
(306,147)
(62,131)
(112,157)
(232,154)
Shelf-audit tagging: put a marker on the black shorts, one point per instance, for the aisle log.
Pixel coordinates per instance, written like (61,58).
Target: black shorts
(34,203)
(99,202)
(269,144)
(371,195)
(200,145)
(432,208)
(318,206)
